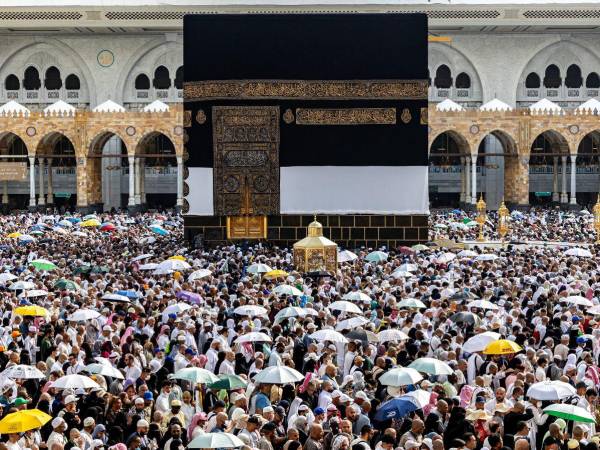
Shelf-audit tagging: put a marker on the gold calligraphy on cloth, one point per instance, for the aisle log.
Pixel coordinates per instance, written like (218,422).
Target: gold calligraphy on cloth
(346,116)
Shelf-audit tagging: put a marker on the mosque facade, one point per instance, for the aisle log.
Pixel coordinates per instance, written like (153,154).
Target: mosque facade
(488,62)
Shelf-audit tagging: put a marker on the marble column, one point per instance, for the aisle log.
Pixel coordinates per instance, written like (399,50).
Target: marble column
(573,180)
(41,164)
(474,179)
(180,182)
(555,194)
(131,161)
(50,193)
(31,181)
(563,195)
(467,180)
(142,176)
(138,182)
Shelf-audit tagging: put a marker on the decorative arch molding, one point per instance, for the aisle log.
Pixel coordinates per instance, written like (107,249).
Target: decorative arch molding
(67,60)
(51,137)
(145,60)
(175,140)
(457,61)
(506,138)
(462,142)
(104,134)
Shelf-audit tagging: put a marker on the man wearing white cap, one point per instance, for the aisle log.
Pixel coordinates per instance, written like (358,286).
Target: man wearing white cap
(30,343)
(57,436)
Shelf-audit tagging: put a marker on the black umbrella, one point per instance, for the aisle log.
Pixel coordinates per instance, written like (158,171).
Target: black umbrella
(319,274)
(362,336)
(465,317)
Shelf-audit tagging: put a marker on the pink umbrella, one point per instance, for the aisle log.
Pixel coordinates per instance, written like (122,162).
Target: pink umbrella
(188,296)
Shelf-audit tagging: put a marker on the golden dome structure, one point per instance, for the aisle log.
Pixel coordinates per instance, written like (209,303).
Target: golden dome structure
(315,252)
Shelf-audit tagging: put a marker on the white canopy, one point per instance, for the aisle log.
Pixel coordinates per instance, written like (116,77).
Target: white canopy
(545,105)
(592,105)
(109,106)
(449,105)
(156,106)
(59,107)
(13,108)
(495,105)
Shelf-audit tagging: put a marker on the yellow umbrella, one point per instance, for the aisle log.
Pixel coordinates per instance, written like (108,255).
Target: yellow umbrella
(16,234)
(24,420)
(179,257)
(276,274)
(32,310)
(90,223)
(502,347)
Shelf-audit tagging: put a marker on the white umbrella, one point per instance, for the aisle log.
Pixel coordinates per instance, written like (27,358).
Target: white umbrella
(250,310)
(159,271)
(411,303)
(196,375)
(467,254)
(144,256)
(393,334)
(115,298)
(175,308)
(173,264)
(106,370)
(479,342)
(486,257)
(5,276)
(402,274)
(357,296)
(198,274)
(82,315)
(445,258)
(255,336)
(347,256)
(595,310)
(353,322)
(329,335)
(216,440)
(578,300)
(483,304)
(290,311)
(408,267)
(345,306)
(400,376)
(24,372)
(551,390)
(286,289)
(34,293)
(23,285)
(278,375)
(377,257)
(431,366)
(419,397)
(579,252)
(148,266)
(75,381)
(569,412)
(258,268)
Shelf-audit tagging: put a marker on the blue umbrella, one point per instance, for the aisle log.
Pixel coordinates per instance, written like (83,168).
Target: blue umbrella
(74,219)
(395,409)
(456,211)
(129,294)
(159,230)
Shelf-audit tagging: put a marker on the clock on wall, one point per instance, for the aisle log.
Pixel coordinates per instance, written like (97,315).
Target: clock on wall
(105,58)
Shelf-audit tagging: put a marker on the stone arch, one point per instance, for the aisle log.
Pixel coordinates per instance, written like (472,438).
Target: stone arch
(457,136)
(49,139)
(11,143)
(96,143)
(145,60)
(555,139)
(509,143)
(458,62)
(67,60)
(56,150)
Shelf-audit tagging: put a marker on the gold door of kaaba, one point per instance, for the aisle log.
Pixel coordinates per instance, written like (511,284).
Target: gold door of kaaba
(246,154)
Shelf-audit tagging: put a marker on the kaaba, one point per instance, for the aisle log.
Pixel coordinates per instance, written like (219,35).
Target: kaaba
(288,116)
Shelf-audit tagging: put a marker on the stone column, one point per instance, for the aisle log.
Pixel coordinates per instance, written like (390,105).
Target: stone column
(41,199)
(84,178)
(5,192)
(142,181)
(131,201)
(462,178)
(467,180)
(50,193)
(555,194)
(573,180)
(563,195)
(31,181)
(180,183)
(474,179)
(138,182)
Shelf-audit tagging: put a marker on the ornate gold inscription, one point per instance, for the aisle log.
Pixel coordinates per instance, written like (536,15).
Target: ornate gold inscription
(303,89)
(201,117)
(346,116)
(187,118)
(406,117)
(288,116)
(424,116)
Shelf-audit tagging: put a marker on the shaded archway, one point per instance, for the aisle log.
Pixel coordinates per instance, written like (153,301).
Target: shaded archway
(448,179)
(57,179)
(109,168)
(588,169)
(156,172)
(496,158)
(548,163)
(16,193)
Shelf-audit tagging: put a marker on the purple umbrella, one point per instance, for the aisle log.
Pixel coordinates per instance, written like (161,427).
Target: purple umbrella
(188,296)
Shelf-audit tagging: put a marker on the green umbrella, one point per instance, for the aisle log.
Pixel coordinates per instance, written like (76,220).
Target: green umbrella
(229,383)
(196,375)
(82,269)
(420,247)
(67,284)
(569,412)
(466,220)
(100,269)
(43,264)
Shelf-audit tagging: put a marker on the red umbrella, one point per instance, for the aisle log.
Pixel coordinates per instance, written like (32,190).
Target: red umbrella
(108,227)
(406,250)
